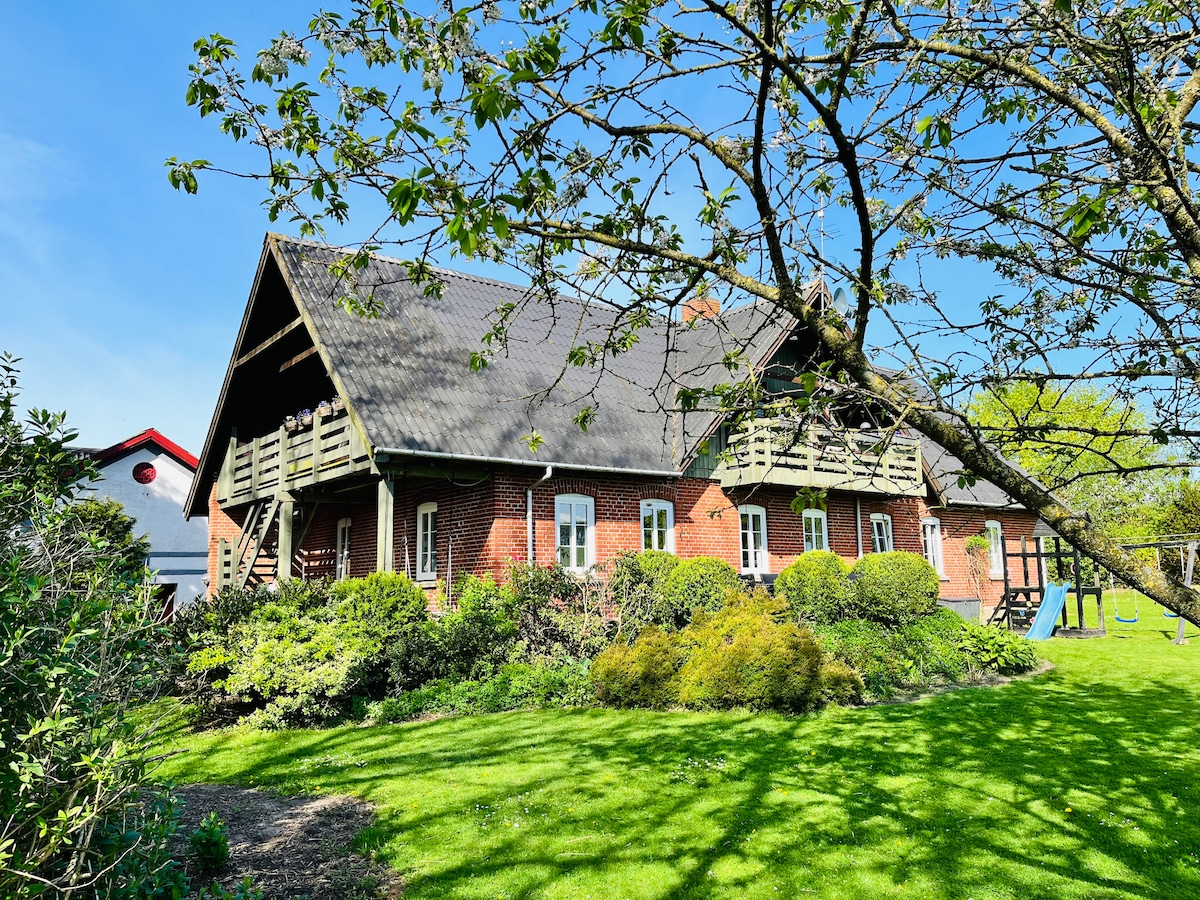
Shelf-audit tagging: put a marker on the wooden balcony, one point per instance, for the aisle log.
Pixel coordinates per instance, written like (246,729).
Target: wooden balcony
(770,451)
(328,449)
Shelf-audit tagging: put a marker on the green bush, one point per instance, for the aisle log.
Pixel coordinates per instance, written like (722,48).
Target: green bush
(940,647)
(892,588)
(815,586)
(513,686)
(990,648)
(302,653)
(840,684)
(637,587)
(701,583)
(640,674)
(559,618)
(208,845)
(79,644)
(743,655)
(468,644)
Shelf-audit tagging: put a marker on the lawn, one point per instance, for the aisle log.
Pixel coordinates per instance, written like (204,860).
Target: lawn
(1082,782)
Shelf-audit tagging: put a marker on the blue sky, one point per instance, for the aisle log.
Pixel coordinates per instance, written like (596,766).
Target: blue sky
(121,296)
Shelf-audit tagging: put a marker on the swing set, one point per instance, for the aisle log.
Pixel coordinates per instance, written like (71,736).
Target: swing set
(1187,565)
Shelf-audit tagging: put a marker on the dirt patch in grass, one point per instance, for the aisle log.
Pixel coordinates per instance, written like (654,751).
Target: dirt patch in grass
(291,847)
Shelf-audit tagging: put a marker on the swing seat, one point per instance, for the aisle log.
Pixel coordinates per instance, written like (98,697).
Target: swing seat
(1126,621)
(1167,614)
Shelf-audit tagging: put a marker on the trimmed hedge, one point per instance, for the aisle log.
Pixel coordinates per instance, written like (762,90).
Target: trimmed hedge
(892,588)
(815,587)
(702,583)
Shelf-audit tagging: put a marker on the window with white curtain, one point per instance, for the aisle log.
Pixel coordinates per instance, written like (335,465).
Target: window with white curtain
(995,539)
(342,563)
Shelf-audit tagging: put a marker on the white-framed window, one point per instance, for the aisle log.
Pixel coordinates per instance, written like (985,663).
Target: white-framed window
(575,520)
(427,542)
(815,530)
(881,533)
(658,525)
(342,563)
(754,538)
(931,541)
(995,539)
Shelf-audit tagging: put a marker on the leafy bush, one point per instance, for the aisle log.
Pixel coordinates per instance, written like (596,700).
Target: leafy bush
(79,642)
(514,686)
(989,647)
(639,674)
(815,586)
(840,684)
(302,653)
(938,647)
(743,655)
(637,587)
(701,583)
(558,617)
(892,588)
(208,845)
(245,889)
(470,643)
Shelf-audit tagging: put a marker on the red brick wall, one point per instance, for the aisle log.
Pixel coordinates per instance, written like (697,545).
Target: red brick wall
(960,523)
(220,525)
(481,526)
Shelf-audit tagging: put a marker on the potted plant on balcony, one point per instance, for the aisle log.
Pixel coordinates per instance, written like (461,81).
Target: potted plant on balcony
(305,417)
(337,404)
(324,409)
(290,424)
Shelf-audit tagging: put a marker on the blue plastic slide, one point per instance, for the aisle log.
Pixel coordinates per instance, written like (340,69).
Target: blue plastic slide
(1049,611)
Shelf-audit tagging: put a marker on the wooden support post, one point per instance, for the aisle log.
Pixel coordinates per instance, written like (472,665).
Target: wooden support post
(283,559)
(384,534)
(225,479)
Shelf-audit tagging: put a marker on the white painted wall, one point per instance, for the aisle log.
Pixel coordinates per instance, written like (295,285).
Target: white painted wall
(179,548)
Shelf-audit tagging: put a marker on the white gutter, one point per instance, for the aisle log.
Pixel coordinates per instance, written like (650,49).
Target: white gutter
(858,520)
(529,514)
(504,460)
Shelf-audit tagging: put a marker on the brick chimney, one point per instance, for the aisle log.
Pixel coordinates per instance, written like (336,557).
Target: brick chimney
(700,305)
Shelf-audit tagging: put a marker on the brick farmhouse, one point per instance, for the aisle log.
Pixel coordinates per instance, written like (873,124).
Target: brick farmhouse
(342,445)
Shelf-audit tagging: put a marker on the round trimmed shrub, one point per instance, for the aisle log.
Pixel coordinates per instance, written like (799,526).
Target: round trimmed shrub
(701,583)
(815,586)
(637,584)
(892,588)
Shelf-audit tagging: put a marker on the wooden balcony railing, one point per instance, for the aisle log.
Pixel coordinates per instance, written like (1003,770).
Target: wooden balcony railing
(770,451)
(289,460)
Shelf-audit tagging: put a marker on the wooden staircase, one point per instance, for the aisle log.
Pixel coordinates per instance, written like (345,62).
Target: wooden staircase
(241,561)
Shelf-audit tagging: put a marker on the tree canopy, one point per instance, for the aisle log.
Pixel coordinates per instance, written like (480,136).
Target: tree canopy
(646,150)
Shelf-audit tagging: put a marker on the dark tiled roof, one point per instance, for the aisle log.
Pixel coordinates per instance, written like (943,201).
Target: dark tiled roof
(944,469)
(407,376)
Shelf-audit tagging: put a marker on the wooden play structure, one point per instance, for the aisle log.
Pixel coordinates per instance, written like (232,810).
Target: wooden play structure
(1029,572)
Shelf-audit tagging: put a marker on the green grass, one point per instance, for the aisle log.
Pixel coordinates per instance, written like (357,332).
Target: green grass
(1082,782)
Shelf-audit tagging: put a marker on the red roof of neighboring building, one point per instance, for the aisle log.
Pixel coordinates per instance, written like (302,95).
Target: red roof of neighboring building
(142,439)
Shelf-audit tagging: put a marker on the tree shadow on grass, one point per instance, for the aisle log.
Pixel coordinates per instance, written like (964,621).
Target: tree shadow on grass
(964,794)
